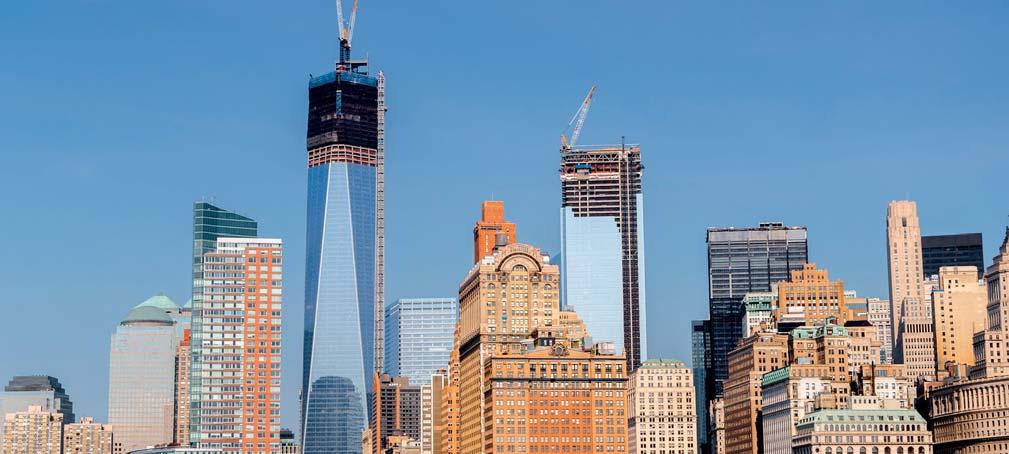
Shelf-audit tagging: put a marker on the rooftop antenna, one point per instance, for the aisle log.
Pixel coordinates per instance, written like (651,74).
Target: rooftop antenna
(346,30)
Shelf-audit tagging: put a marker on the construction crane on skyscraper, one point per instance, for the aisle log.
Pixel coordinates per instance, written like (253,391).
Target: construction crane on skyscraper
(578,120)
(346,29)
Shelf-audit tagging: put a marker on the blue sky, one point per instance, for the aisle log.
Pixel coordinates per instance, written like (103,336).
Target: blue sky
(116,116)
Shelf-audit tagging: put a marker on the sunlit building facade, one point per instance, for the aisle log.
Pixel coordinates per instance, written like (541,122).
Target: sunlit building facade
(238,396)
(418,337)
(142,376)
(602,244)
(345,267)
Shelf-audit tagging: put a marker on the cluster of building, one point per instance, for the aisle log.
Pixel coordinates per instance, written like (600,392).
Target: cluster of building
(537,354)
(792,362)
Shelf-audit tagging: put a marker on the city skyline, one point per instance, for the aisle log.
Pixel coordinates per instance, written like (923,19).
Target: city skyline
(676,264)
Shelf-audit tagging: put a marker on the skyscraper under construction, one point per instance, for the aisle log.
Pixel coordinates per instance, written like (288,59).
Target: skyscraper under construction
(602,234)
(344,278)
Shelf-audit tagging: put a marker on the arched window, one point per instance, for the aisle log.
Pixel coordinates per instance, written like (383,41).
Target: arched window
(829,450)
(900,450)
(519,268)
(886,450)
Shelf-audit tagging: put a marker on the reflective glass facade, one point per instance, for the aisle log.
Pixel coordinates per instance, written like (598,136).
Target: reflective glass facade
(142,382)
(591,280)
(964,249)
(741,261)
(344,271)
(419,336)
(210,222)
(602,244)
(700,348)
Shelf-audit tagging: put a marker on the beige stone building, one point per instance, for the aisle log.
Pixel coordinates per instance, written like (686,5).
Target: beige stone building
(663,415)
(915,341)
(903,252)
(33,431)
(520,378)
(716,423)
(809,292)
(830,431)
(959,306)
(755,356)
(879,316)
(972,416)
(89,437)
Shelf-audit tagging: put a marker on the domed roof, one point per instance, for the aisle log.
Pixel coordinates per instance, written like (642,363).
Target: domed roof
(160,301)
(189,303)
(147,314)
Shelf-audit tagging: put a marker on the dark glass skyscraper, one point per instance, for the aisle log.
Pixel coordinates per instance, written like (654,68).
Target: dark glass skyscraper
(210,222)
(740,261)
(964,249)
(344,271)
(700,347)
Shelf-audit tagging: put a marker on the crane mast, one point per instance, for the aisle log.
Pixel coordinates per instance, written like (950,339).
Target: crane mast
(346,30)
(578,120)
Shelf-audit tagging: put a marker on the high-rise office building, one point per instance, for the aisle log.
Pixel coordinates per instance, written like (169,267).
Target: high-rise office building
(879,317)
(903,252)
(915,340)
(700,348)
(491,224)
(89,437)
(33,431)
(740,261)
(395,411)
(962,249)
(210,222)
(811,294)
(514,343)
(662,412)
(345,257)
(43,391)
(418,337)
(959,307)
(992,346)
(238,395)
(142,376)
(183,359)
(602,244)
(755,356)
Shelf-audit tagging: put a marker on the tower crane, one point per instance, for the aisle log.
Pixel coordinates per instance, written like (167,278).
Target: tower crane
(346,29)
(578,120)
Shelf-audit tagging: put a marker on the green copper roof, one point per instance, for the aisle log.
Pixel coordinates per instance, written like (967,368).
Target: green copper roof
(861,416)
(147,314)
(189,304)
(814,332)
(775,376)
(160,301)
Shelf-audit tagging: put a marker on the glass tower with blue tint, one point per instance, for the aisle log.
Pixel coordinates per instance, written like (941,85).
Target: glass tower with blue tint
(602,238)
(419,336)
(344,299)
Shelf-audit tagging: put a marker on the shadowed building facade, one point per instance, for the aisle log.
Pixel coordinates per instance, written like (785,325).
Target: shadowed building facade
(743,260)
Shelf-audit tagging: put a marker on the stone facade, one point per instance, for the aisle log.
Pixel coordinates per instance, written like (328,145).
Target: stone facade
(663,417)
